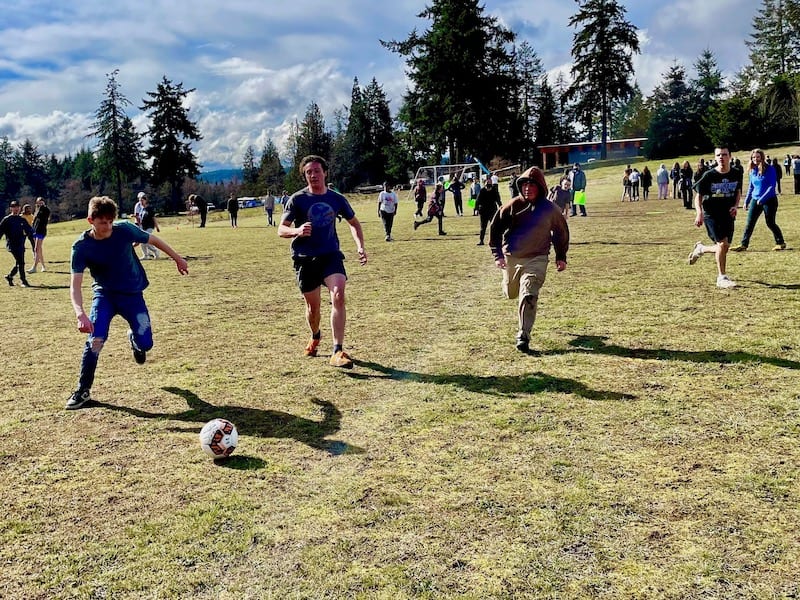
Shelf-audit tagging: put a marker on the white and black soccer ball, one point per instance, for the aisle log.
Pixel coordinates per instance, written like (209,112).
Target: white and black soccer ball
(218,438)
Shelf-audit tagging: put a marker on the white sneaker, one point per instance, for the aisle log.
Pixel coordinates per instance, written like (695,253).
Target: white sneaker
(31,270)
(725,282)
(696,253)
(42,269)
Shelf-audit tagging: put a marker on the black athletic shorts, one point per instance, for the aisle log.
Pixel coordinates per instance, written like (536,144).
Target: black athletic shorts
(719,225)
(311,271)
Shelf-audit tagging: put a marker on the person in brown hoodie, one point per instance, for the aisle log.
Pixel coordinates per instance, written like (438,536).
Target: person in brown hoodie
(520,236)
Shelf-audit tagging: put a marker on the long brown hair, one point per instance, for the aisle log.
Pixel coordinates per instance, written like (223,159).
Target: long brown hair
(763,165)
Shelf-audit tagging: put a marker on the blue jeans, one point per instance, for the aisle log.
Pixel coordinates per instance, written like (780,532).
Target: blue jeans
(770,209)
(105,305)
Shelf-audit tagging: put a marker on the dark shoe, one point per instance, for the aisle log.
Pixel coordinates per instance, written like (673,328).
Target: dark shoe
(416,224)
(442,233)
(77,399)
(522,342)
(138,355)
(10,280)
(24,283)
(479,244)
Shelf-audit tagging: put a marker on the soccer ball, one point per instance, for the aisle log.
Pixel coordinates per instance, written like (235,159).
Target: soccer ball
(218,438)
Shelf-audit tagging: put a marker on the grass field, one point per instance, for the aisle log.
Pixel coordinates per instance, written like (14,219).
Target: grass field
(648,448)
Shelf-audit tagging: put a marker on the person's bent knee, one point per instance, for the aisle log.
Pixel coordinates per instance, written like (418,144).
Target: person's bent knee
(96,344)
(337,296)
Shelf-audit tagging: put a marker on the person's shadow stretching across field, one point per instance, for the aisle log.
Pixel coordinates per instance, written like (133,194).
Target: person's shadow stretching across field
(255,421)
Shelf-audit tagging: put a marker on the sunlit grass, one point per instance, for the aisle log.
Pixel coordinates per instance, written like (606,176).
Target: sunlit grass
(648,447)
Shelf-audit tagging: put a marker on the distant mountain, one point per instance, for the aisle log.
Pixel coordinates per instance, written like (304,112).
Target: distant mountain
(220,176)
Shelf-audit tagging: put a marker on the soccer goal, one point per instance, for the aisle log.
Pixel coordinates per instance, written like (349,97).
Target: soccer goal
(432,174)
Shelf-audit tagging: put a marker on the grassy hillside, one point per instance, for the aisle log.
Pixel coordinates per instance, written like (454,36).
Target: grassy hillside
(648,448)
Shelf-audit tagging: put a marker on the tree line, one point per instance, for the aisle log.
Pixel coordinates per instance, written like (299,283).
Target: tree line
(476,92)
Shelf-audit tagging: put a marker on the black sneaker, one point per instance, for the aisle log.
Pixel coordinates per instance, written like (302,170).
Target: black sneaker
(138,355)
(522,343)
(25,283)
(10,280)
(78,398)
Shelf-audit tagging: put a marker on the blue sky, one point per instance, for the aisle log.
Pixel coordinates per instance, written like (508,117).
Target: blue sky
(256,66)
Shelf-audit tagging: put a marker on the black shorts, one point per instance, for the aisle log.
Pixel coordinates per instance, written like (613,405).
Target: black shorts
(719,225)
(311,271)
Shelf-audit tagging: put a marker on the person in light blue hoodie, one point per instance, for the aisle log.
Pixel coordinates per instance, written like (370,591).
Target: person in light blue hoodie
(761,197)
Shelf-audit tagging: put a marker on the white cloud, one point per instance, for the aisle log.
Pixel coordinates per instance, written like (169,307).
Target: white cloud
(256,66)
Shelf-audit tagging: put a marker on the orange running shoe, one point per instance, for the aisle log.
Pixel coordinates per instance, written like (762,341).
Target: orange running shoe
(311,349)
(342,360)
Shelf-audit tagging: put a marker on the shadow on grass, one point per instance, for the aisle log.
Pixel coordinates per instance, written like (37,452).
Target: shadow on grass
(597,344)
(41,286)
(254,421)
(779,286)
(506,385)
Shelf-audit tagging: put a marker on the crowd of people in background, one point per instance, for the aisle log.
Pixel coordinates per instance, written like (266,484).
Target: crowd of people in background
(521,231)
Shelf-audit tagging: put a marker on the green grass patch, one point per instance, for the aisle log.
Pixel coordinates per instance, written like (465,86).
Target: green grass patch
(648,447)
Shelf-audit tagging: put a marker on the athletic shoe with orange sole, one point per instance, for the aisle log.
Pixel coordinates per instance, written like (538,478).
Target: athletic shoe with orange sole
(342,360)
(311,349)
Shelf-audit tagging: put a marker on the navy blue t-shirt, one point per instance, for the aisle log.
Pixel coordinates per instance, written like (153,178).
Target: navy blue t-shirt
(112,262)
(718,190)
(320,210)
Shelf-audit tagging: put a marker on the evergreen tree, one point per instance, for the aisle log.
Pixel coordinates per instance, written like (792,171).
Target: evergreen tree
(564,116)
(381,133)
(249,172)
(119,154)
(83,169)
(673,128)
(30,169)
(535,119)
(546,126)
(463,95)
(308,137)
(602,67)
(270,170)
(171,134)
(9,180)
(775,42)
(352,154)
(630,119)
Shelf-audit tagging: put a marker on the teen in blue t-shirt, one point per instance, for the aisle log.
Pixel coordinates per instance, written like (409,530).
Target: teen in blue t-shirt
(119,280)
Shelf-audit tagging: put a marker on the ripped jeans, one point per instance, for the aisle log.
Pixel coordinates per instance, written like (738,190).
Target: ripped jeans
(105,305)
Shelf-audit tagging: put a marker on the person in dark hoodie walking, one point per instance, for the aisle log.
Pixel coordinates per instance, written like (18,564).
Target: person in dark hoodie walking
(16,230)
(486,205)
(520,236)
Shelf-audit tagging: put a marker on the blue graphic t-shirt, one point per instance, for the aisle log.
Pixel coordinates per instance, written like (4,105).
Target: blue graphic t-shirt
(718,190)
(320,210)
(112,262)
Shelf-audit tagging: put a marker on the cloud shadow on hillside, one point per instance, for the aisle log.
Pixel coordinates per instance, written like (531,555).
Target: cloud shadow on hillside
(254,421)
(596,344)
(506,385)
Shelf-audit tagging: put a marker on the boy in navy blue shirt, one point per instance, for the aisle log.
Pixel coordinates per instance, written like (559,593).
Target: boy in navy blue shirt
(119,280)
(16,230)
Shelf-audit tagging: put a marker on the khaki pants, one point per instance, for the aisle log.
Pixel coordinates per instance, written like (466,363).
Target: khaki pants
(523,278)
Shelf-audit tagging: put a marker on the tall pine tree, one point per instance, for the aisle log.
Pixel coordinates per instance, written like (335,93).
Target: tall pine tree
(171,135)
(602,68)
(119,152)
(462,100)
